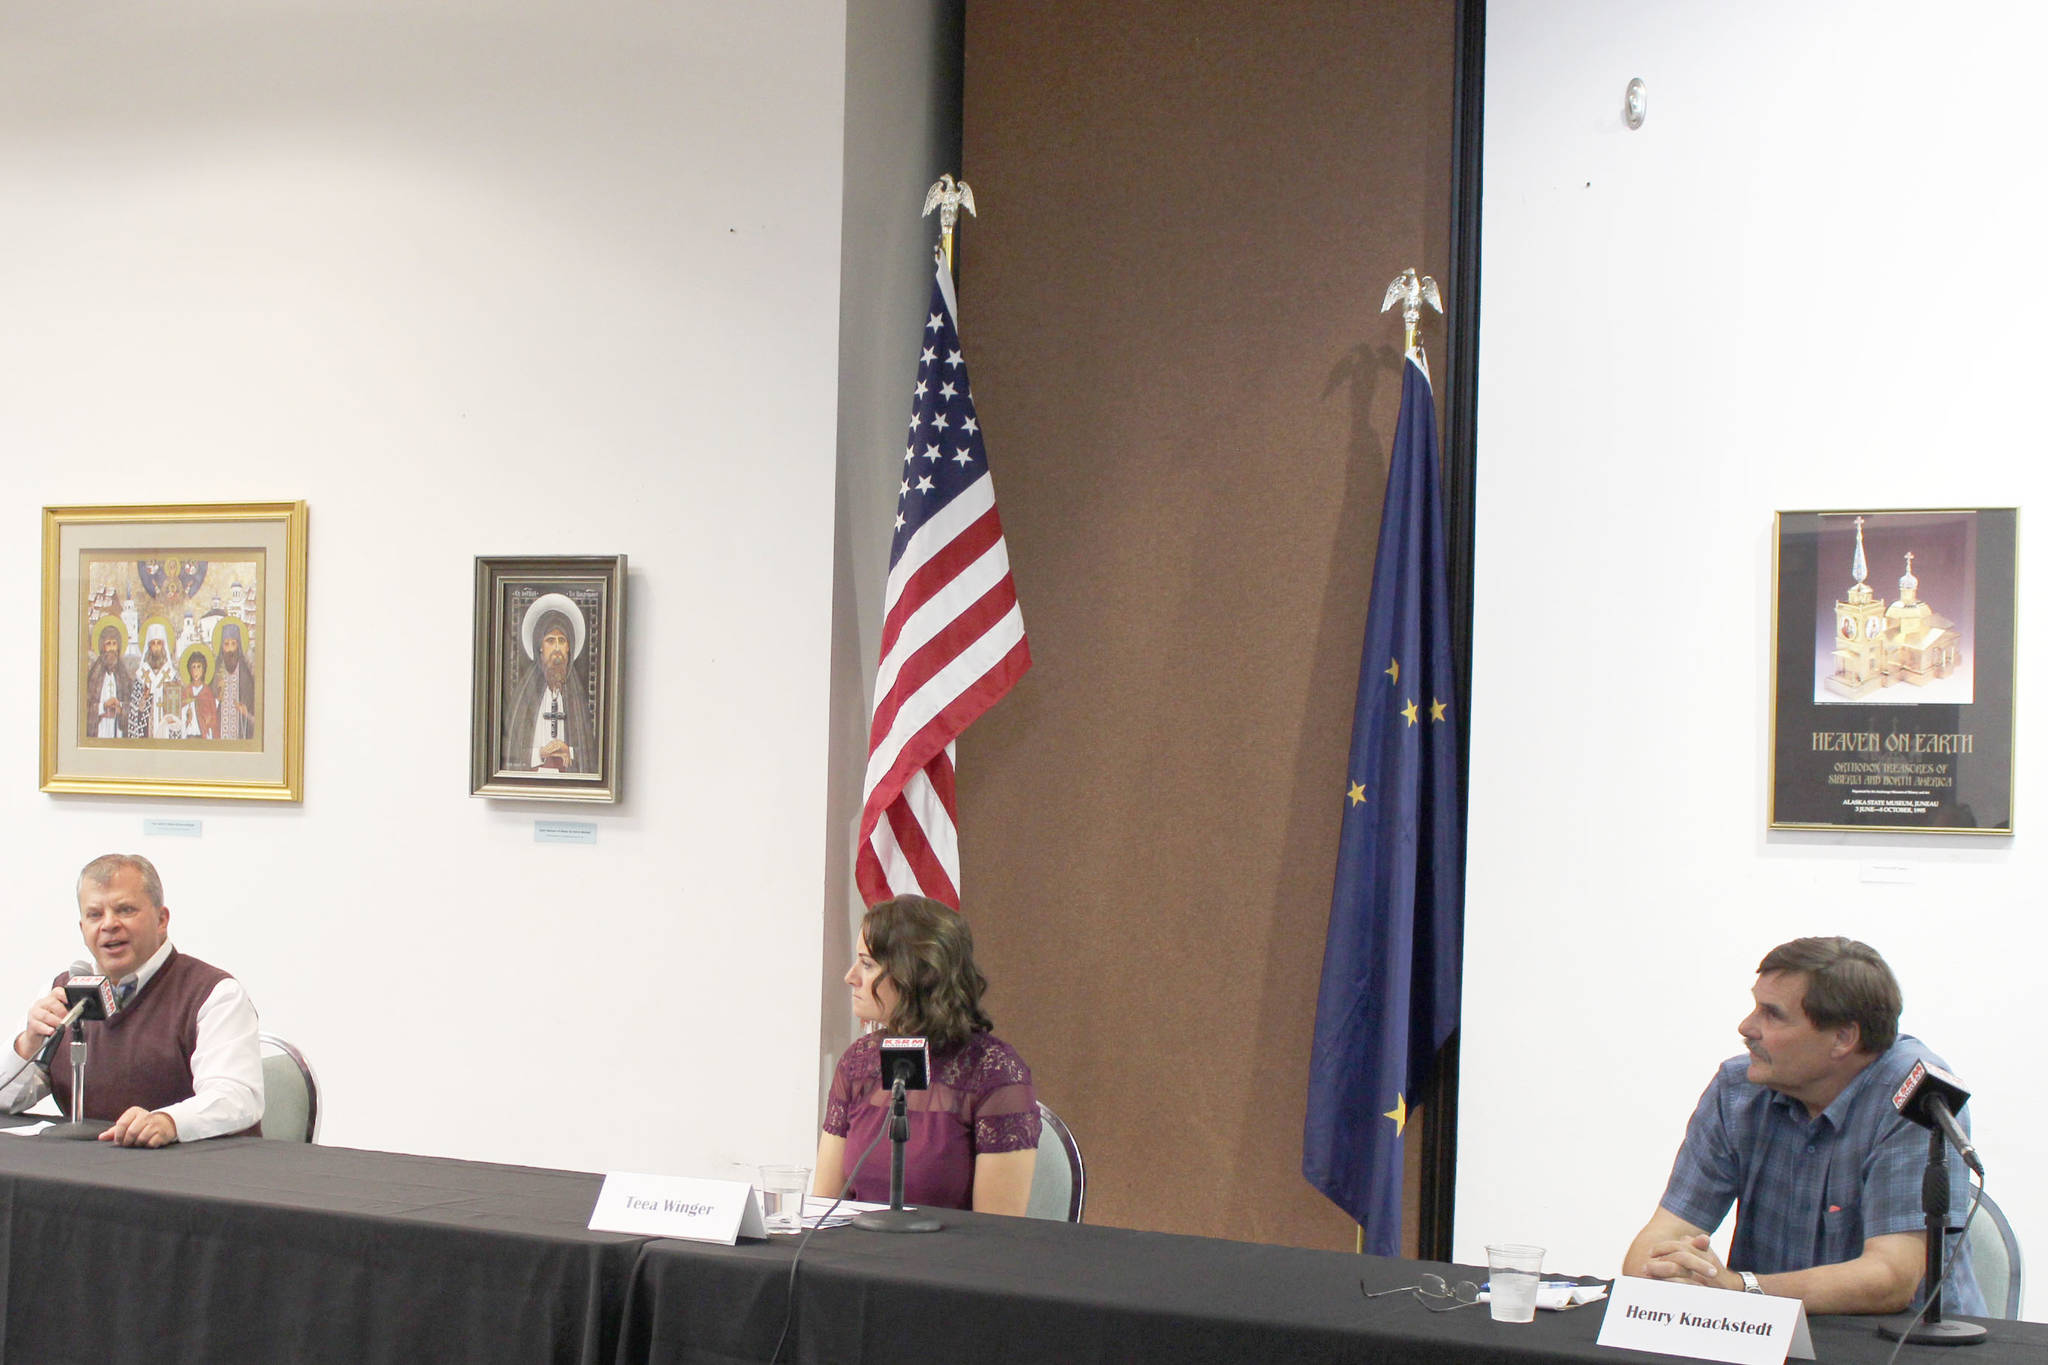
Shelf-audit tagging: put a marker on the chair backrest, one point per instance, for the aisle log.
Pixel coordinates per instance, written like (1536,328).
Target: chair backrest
(291,1097)
(1995,1258)
(1059,1182)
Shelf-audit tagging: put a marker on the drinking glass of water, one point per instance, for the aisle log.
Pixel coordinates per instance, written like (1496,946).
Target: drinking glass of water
(782,1197)
(1514,1270)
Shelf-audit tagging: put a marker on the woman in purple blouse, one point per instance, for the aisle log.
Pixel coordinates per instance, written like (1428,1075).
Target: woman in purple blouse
(974,1134)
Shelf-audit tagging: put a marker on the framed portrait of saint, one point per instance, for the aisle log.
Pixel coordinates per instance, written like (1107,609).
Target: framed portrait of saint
(545,715)
(174,650)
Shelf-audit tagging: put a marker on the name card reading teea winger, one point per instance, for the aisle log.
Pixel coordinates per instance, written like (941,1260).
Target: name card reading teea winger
(678,1206)
(1705,1324)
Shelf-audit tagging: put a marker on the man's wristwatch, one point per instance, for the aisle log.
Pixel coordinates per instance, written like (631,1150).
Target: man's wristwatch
(1749,1284)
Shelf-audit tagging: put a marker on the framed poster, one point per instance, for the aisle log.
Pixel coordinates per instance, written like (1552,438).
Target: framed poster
(1892,669)
(174,650)
(545,709)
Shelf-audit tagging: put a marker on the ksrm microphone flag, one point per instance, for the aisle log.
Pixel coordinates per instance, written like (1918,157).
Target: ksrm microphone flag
(89,996)
(908,1060)
(1932,1098)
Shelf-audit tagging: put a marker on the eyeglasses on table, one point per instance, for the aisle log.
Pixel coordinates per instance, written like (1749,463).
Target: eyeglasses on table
(1433,1293)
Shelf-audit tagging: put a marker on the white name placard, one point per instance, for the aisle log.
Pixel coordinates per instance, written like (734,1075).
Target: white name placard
(678,1206)
(1705,1324)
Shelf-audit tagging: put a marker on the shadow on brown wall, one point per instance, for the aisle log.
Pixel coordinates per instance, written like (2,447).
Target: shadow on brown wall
(1190,214)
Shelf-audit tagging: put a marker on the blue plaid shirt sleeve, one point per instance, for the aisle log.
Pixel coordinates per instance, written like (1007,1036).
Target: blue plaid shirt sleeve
(1891,1181)
(1892,1176)
(1707,1174)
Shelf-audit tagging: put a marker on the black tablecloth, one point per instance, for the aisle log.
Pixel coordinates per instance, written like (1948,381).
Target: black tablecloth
(240,1250)
(998,1290)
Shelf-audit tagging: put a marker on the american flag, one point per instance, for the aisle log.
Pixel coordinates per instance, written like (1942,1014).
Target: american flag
(952,635)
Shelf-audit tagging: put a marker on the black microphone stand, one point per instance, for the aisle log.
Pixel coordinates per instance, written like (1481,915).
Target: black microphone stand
(79,1128)
(1932,1331)
(896,1218)
(78,1070)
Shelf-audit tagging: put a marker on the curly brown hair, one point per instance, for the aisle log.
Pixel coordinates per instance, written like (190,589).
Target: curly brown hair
(926,951)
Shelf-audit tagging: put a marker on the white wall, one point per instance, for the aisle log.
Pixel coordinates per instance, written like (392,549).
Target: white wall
(1813,279)
(470,279)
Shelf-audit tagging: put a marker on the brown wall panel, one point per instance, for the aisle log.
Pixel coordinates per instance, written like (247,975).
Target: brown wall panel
(1190,213)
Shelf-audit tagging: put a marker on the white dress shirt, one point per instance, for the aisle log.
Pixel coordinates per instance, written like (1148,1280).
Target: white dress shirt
(227,1066)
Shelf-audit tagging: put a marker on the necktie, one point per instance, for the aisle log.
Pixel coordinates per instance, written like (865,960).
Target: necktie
(123,993)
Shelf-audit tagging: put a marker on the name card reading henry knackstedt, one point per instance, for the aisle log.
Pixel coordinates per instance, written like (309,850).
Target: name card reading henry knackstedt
(1705,1324)
(154,828)
(678,1206)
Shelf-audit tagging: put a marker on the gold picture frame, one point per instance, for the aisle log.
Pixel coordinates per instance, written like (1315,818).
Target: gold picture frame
(541,728)
(174,650)
(1893,643)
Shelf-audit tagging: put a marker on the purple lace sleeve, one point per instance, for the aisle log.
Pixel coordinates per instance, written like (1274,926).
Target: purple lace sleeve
(1007,1132)
(1005,1105)
(840,1099)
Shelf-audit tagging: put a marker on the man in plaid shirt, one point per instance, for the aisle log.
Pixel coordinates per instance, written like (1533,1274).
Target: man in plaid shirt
(1800,1136)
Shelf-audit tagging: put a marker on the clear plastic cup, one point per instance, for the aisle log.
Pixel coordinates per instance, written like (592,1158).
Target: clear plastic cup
(782,1197)
(1513,1271)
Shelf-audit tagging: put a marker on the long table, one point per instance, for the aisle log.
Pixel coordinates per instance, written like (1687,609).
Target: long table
(245,1250)
(999,1290)
(242,1250)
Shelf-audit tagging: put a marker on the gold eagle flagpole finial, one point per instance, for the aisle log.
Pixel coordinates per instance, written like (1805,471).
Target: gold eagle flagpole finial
(1411,291)
(948,196)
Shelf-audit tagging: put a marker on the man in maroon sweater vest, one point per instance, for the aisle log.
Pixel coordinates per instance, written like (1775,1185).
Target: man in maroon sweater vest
(179,1060)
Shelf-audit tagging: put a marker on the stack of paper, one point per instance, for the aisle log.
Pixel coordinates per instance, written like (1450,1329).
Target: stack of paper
(1558,1295)
(816,1205)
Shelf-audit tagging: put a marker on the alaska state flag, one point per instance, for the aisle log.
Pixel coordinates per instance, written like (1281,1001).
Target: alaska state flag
(1389,997)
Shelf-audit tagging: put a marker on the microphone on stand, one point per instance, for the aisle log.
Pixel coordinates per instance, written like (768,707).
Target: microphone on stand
(906,1066)
(1929,1097)
(91,997)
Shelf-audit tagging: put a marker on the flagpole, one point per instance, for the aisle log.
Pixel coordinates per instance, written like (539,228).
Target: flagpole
(948,196)
(947,537)
(1411,291)
(1396,900)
